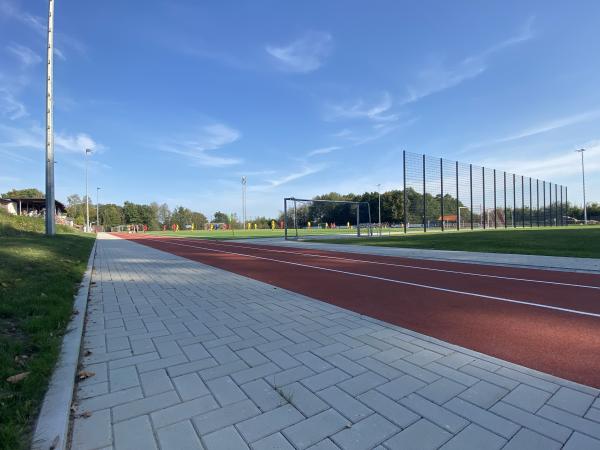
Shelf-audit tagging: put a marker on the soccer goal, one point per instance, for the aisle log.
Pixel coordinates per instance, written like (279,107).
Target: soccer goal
(304,218)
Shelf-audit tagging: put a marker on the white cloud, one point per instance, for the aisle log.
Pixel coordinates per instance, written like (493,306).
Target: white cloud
(323,151)
(359,109)
(209,138)
(303,55)
(75,143)
(438,76)
(276,182)
(10,107)
(562,164)
(540,129)
(27,56)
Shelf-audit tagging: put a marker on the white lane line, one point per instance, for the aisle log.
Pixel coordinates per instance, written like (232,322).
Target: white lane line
(406,266)
(390,280)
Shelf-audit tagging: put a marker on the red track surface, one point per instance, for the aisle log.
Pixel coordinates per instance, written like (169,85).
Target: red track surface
(558,331)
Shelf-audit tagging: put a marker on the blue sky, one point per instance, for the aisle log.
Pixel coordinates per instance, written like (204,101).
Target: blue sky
(179,99)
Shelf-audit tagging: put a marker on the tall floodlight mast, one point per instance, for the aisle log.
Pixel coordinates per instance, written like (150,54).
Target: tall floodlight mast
(50,208)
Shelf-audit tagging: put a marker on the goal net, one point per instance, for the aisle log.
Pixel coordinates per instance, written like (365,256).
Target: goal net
(303,218)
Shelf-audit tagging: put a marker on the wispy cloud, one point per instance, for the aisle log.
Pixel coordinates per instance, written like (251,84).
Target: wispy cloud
(558,164)
(277,182)
(27,56)
(209,138)
(9,9)
(377,111)
(76,143)
(305,54)
(539,129)
(439,76)
(10,107)
(323,150)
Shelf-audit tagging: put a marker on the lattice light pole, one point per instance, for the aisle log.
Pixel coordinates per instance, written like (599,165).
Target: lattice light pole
(50,208)
(582,150)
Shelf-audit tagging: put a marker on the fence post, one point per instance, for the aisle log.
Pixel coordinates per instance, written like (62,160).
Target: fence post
(550,212)
(442,189)
(358,220)
(495,203)
(424,199)
(471,191)
(457,201)
(522,201)
(537,208)
(285,226)
(556,208)
(514,201)
(295,219)
(505,209)
(405,197)
(566,205)
(544,197)
(530,205)
(483,212)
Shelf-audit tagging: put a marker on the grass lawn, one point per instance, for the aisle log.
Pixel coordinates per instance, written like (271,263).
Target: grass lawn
(38,279)
(577,241)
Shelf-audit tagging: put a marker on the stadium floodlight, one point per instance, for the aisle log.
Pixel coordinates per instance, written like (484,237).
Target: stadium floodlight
(318,216)
(582,150)
(244,181)
(50,204)
(87,200)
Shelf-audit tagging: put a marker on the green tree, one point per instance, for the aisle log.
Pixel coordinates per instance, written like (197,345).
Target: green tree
(199,220)
(24,193)
(111,215)
(220,217)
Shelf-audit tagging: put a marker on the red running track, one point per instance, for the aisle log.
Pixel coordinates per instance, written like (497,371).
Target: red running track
(545,320)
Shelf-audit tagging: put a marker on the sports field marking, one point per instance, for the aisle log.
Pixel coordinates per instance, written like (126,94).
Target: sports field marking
(390,280)
(406,266)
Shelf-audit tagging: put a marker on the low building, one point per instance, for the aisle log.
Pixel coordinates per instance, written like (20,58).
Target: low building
(31,207)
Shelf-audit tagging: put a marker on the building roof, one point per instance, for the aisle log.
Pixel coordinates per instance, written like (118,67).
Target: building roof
(37,202)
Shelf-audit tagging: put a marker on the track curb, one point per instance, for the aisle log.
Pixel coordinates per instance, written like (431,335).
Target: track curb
(52,427)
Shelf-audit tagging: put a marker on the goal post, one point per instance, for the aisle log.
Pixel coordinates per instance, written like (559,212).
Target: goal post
(317,217)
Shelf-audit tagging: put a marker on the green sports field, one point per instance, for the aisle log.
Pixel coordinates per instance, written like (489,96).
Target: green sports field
(578,241)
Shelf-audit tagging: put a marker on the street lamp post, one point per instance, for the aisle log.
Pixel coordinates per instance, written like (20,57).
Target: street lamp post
(581,150)
(50,205)
(379,192)
(97,208)
(87,200)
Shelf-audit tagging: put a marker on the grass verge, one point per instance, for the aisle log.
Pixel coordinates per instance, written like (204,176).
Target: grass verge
(578,241)
(38,279)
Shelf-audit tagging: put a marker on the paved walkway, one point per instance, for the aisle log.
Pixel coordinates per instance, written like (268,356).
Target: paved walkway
(589,265)
(186,356)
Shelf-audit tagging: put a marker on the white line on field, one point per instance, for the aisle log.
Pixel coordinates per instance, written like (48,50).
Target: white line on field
(407,283)
(406,266)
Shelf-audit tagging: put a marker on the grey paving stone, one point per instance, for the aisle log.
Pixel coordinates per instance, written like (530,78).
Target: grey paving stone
(528,379)
(144,406)
(388,408)
(246,375)
(252,357)
(452,374)
(179,436)
(303,399)
(282,359)
(222,370)
(365,434)
(190,386)
(593,414)
(263,394)
(401,387)
(268,423)
(529,440)
(274,442)
(155,382)
(350,408)
(134,434)
(289,376)
(223,417)
(436,414)
(423,357)
(315,428)
(570,420)
(474,437)
(490,377)
(480,416)
(571,400)
(194,366)
(123,378)
(580,441)
(455,360)
(415,371)
(110,400)
(526,397)
(362,383)
(223,354)
(483,394)
(93,432)
(195,352)
(442,390)
(313,361)
(225,439)
(161,363)
(348,366)
(225,390)
(325,444)
(325,379)
(536,423)
(183,411)
(422,435)
(92,390)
